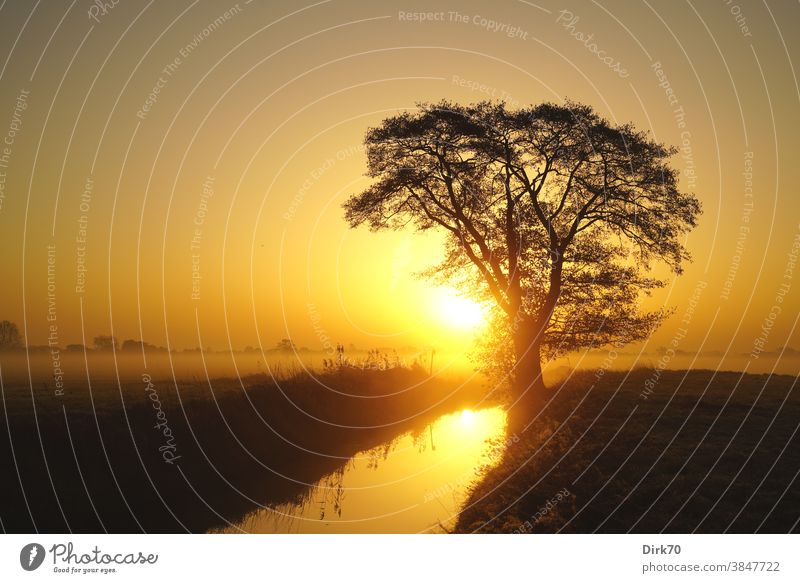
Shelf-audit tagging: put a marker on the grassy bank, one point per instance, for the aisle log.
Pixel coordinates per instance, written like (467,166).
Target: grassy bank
(703,452)
(157,457)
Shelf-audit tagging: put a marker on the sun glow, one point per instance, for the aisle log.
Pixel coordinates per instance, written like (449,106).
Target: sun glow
(456,311)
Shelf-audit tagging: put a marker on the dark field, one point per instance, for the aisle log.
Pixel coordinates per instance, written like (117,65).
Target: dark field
(706,452)
(102,462)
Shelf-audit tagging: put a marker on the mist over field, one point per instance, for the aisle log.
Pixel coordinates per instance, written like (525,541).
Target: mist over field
(400,267)
(106,367)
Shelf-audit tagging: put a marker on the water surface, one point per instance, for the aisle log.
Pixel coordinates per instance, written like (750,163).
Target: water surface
(415,483)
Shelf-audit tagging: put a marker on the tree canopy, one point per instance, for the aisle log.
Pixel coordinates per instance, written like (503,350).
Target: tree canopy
(552,211)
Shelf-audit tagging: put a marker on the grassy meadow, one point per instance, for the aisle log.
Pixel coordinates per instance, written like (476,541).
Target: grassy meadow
(149,455)
(705,452)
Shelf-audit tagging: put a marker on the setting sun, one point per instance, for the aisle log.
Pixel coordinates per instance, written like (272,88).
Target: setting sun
(456,311)
(522,267)
(467,418)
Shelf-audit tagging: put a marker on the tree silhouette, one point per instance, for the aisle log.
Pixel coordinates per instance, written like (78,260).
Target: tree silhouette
(105,343)
(552,211)
(9,335)
(286,345)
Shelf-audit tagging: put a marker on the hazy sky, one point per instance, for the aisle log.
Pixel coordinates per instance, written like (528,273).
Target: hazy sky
(221,139)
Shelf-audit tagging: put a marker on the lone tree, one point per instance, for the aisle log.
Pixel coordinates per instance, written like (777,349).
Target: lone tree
(556,214)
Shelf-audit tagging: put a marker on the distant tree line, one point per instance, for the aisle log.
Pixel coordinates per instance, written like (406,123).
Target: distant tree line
(11,339)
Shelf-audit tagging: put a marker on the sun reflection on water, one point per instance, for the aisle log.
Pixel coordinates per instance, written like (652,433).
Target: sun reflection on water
(415,483)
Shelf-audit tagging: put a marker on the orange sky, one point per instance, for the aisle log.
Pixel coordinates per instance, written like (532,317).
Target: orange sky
(221,139)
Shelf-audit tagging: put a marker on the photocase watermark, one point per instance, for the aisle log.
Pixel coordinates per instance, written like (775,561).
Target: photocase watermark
(31,556)
(449,488)
(738,16)
(67,560)
(551,504)
(675,342)
(500,446)
(376,361)
(173,66)
(760,342)
(321,333)
(52,322)
(568,21)
(455,486)
(478,20)
(168,449)
(100,8)
(206,193)
(313,177)
(14,128)
(494,26)
(679,115)
(484,89)
(421,16)
(609,359)
(84,206)
(744,228)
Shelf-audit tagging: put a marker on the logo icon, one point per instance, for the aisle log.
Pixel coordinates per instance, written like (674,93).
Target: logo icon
(31,556)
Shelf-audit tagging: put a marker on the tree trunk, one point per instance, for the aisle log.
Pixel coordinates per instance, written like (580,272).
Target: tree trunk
(529,389)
